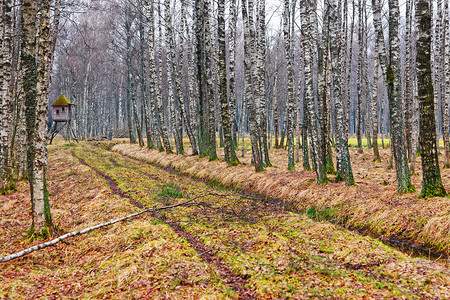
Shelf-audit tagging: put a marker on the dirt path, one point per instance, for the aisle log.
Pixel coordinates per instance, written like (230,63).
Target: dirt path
(263,250)
(225,245)
(139,259)
(236,282)
(372,206)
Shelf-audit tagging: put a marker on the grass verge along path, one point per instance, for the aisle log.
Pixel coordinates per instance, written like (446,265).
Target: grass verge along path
(280,254)
(237,283)
(372,206)
(141,258)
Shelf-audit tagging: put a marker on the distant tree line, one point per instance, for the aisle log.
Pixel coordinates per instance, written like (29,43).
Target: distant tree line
(163,70)
(159,71)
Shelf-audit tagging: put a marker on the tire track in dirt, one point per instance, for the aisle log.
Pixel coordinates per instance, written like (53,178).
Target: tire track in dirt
(286,207)
(398,242)
(269,205)
(238,283)
(114,162)
(151,176)
(112,183)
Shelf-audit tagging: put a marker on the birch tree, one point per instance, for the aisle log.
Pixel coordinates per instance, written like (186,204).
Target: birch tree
(201,78)
(36,88)
(249,85)
(232,67)
(391,69)
(137,122)
(379,42)
(305,120)
(130,105)
(173,79)
(153,85)
(445,84)
(395,104)
(290,88)
(431,182)
(209,82)
(5,97)
(162,117)
(261,44)
(182,97)
(359,78)
(230,154)
(374,112)
(143,71)
(344,170)
(325,89)
(408,85)
(192,88)
(309,19)
(366,90)
(447,69)
(436,65)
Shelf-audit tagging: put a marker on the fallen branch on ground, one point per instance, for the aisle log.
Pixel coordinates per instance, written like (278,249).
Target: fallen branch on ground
(86,230)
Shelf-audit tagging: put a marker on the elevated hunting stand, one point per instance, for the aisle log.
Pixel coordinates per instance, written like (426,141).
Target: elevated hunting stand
(62,110)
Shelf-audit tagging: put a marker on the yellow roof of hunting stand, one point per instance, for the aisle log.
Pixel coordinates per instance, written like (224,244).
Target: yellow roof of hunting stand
(62,101)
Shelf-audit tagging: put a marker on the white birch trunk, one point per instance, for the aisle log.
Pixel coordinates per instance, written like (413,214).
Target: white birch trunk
(445,88)
(5,95)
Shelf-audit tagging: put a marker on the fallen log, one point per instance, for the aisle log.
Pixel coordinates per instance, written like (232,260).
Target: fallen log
(86,230)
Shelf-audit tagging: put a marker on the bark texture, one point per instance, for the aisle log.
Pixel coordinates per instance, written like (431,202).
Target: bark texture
(209,83)
(174,81)
(261,44)
(344,170)
(290,87)
(153,85)
(36,87)
(445,91)
(162,116)
(309,20)
(432,182)
(230,154)
(249,85)
(5,96)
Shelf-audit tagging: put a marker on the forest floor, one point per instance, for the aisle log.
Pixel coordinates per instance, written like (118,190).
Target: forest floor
(372,206)
(226,243)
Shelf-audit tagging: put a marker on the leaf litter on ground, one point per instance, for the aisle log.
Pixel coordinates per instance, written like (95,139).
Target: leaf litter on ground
(371,206)
(279,253)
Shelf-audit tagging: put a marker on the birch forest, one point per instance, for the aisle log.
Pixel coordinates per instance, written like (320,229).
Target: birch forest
(217,149)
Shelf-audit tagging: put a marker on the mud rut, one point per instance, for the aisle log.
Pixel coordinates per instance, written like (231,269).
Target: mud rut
(237,283)
(257,209)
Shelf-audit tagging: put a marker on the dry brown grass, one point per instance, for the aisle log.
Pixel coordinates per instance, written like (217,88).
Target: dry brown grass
(138,258)
(281,255)
(372,205)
